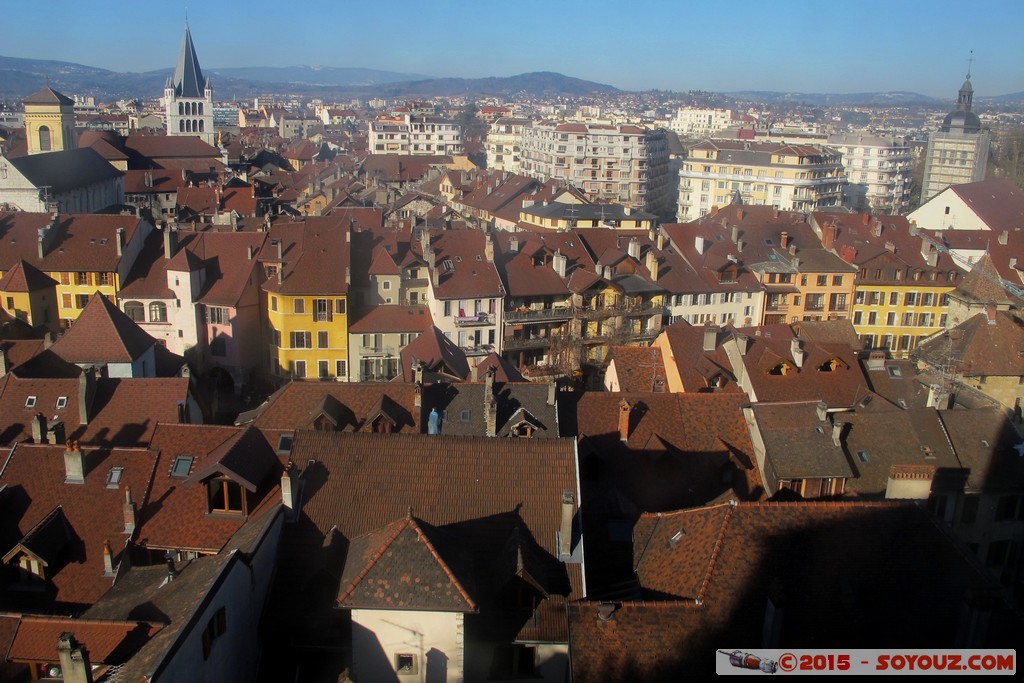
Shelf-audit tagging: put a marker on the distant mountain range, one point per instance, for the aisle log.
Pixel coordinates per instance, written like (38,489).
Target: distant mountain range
(21,77)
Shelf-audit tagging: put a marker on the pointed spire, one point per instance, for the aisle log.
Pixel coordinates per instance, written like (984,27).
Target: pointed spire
(188,76)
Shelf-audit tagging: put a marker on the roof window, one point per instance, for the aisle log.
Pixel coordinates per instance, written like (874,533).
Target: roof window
(30,402)
(181,467)
(114,477)
(62,402)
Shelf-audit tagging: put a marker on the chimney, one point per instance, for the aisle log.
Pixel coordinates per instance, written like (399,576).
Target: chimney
(74,660)
(128,508)
(933,257)
(74,464)
(436,276)
(990,313)
(1013,262)
(565,528)
(249,252)
(149,178)
(865,218)
(490,403)
(739,246)
(937,398)
(552,392)
(710,338)
(742,341)
(280,248)
(56,434)
(890,247)
(822,411)
(287,498)
(775,213)
(42,242)
(828,236)
(5,361)
(280,273)
(488,248)
(740,214)
(878,228)
(796,263)
(513,244)
(796,348)
(38,428)
(108,559)
(700,244)
(558,263)
(792,248)
(651,261)
(633,249)
(837,433)
(784,240)
(1003,237)
(120,242)
(735,233)
(172,572)
(661,240)
(170,241)
(624,410)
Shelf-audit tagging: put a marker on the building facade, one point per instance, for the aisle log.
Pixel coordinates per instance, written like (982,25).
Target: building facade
(957,152)
(878,169)
(425,135)
(49,122)
(783,176)
(624,164)
(504,138)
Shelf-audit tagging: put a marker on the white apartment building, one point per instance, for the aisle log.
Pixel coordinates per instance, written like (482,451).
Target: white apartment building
(700,123)
(425,135)
(504,137)
(878,169)
(787,177)
(624,164)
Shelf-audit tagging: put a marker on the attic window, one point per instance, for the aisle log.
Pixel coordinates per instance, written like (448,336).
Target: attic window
(62,402)
(114,477)
(466,415)
(780,369)
(863,456)
(181,467)
(30,402)
(927,453)
(448,265)
(284,443)
(829,365)
(894,371)
(676,537)
(225,496)
(405,663)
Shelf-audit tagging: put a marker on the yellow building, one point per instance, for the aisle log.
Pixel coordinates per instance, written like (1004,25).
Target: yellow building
(306,299)
(49,122)
(30,295)
(84,254)
(902,284)
(779,175)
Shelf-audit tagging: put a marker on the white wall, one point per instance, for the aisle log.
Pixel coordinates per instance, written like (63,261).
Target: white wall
(434,638)
(933,214)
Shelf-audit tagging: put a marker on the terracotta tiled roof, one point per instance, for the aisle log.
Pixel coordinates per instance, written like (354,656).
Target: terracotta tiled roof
(83,243)
(161,147)
(399,567)
(182,519)
(982,346)
(24,277)
(638,368)
(982,284)
(893,576)
(999,203)
(385,319)
(107,642)
(103,334)
(464,273)
(438,353)
(987,445)
(316,258)
(293,405)
(48,96)
(700,370)
(464,412)
(93,512)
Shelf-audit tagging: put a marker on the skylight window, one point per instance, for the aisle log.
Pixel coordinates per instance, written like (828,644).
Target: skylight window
(284,443)
(30,402)
(466,414)
(114,477)
(182,465)
(863,456)
(894,371)
(62,402)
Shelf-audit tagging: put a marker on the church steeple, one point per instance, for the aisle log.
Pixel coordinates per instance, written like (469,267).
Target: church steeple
(188,76)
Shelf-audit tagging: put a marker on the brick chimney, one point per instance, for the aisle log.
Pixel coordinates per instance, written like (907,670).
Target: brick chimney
(39,428)
(490,403)
(784,240)
(108,559)
(74,464)
(624,411)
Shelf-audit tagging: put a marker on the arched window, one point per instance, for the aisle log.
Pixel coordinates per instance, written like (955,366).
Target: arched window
(181,126)
(135,310)
(200,108)
(181,108)
(193,109)
(44,138)
(188,126)
(202,126)
(158,312)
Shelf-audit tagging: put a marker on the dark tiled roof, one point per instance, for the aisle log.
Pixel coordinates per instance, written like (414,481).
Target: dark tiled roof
(86,242)
(638,368)
(893,577)
(515,403)
(797,443)
(103,334)
(64,171)
(295,405)
(48,96)
(399,567)
(107,642)
(986,444)
(34,476)
(385,319)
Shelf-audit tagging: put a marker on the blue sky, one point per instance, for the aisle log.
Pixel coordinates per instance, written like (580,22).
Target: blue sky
(788,45)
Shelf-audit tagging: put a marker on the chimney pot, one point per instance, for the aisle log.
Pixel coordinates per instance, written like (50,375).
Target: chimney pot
(108,559)
(74,464)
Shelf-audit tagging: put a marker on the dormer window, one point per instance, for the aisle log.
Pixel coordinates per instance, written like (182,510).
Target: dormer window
(829,365)
(780,369)
(225,496)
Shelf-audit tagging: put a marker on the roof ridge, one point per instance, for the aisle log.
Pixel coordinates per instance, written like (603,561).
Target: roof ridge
(441,561)
(714,554)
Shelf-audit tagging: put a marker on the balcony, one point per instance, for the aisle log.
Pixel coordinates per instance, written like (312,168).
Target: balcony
(477,351)
(527,315)
(475,320)
(521,343)
(366,351)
